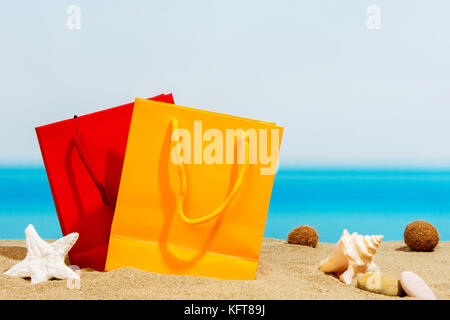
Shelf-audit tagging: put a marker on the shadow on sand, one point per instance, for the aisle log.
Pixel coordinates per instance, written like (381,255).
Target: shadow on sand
(13,252)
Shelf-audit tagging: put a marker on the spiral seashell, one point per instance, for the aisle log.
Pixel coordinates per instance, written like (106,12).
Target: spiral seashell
(352,256)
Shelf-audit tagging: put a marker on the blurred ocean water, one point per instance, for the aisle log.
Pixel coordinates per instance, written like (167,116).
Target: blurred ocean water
(366,201)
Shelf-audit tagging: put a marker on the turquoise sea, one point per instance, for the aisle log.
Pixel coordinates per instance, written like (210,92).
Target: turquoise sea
(362,200)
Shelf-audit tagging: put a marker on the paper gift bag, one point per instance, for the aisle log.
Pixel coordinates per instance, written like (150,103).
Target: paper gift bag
(190,204)
(83,158)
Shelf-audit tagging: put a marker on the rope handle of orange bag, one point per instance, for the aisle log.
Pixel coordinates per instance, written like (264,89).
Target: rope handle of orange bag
(228,200)
(90,169)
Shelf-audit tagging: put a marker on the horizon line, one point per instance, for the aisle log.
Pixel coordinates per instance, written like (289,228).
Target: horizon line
(291,167)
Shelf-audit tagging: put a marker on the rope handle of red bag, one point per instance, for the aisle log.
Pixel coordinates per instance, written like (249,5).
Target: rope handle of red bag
(90,169)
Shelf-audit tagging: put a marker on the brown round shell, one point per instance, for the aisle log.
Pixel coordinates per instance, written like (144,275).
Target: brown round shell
(304,235)
(421,236)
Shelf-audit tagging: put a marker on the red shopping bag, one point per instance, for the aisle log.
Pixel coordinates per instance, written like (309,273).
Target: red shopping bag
(83,158)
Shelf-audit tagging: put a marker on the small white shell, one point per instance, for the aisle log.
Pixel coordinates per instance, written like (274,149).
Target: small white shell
(352,256)
(414,286)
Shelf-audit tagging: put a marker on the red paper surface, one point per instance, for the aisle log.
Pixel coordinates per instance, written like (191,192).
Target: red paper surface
(77,177)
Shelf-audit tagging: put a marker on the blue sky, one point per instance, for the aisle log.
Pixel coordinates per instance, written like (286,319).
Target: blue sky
(346,95)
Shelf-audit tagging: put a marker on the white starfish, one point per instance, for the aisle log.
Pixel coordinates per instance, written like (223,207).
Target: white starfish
(45,260)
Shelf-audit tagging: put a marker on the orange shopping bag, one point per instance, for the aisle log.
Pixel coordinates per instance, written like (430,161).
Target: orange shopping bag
(194,192)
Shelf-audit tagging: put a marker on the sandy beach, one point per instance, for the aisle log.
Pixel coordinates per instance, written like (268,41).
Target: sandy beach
(285,272)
